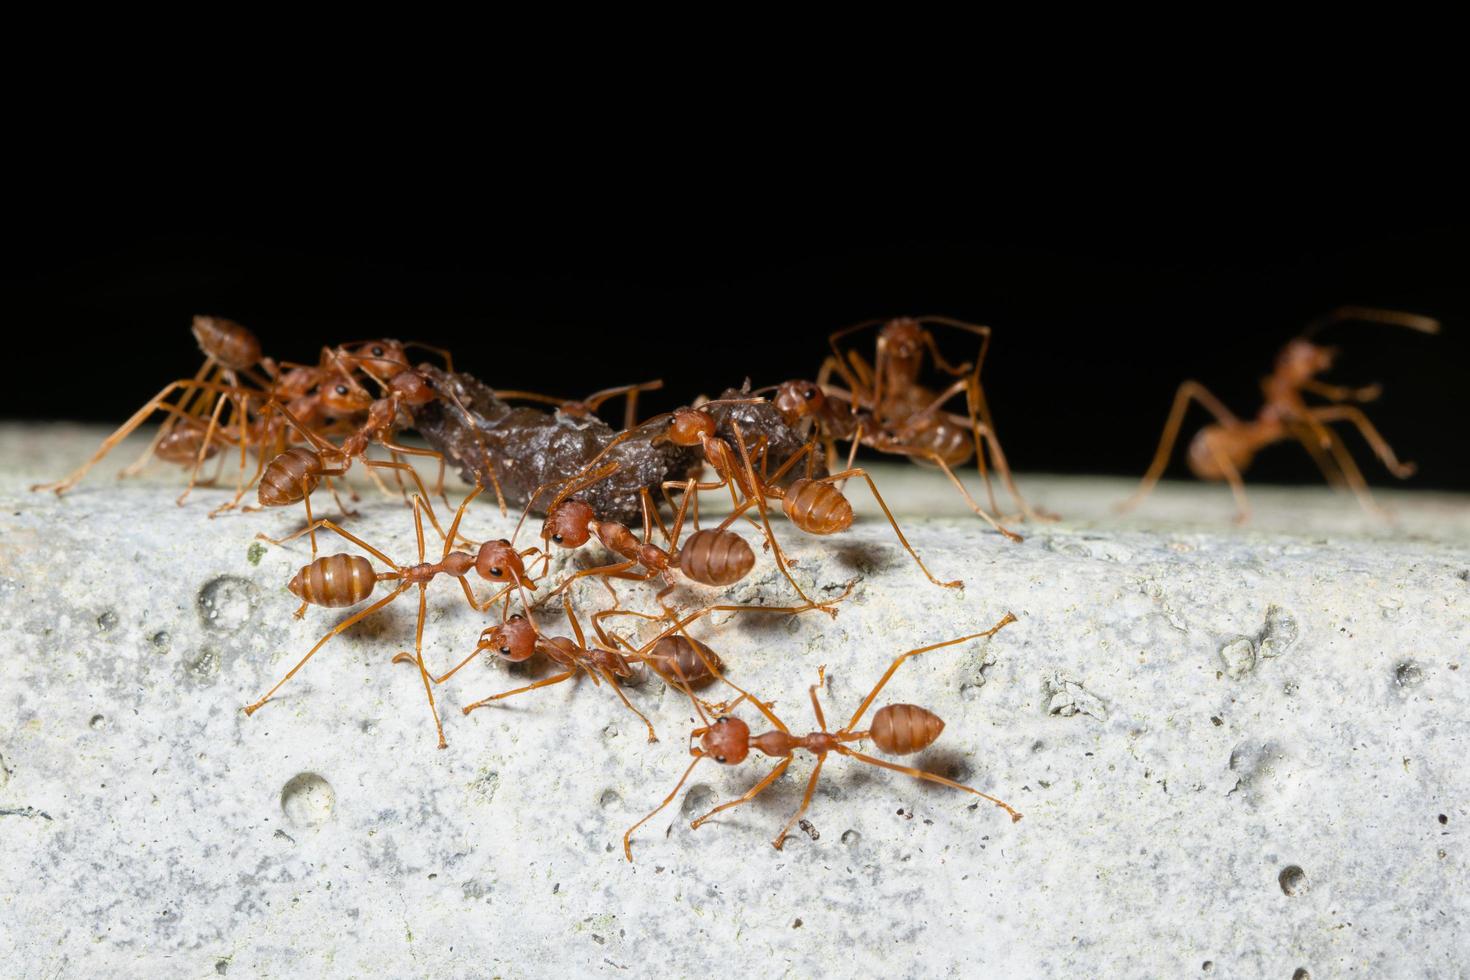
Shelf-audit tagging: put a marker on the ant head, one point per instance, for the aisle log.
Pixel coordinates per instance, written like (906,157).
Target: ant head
(1304,359)
(498,562)
(513,640)
(380,358)
(795,400)
(690,426)
(413,388)
(726,741)
(902,338)
(567,524)
(342,398)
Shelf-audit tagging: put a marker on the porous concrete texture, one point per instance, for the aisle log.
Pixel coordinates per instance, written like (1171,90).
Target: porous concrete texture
(1239,752)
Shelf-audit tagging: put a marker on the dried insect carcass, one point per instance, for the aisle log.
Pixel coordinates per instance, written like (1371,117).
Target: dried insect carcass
(530,449)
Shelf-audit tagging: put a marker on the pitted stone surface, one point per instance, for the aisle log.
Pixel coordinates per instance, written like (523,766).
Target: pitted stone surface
(1297,809)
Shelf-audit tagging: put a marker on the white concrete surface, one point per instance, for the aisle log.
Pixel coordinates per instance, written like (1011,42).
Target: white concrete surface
(1239,753)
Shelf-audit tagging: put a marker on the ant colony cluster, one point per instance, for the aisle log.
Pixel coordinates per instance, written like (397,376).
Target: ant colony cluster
(293,428)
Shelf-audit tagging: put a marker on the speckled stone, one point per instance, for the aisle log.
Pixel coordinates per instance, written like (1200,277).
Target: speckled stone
(1239,753)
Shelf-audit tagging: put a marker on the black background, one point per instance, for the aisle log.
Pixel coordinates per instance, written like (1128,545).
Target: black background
(1099,311)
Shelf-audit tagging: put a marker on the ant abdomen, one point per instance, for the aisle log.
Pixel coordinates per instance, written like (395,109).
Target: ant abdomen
(902,729)
(817,508)
(290,477)
(334,581)
(1210,445)
(182,446)
(952,443)
(716,557)
(228,342)
(677,658)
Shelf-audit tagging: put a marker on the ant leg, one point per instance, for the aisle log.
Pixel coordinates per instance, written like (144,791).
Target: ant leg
(806,801)
(126,429)
(203,454)
(1353,475)
(956,584)
(407,658)
(357,617)
(931,777)
(628,835)
(330,526)
(938,461)
(418,659)
(749,794)
(817,704)
(980,420)
(1187,391)
(1305,435)
(1380,446)
(1339,393)
(337,498)
(394,447)
(544,682)
(1005,620)
(204,375)
(378,464)
(760,503)
(618,690)
(1237,485)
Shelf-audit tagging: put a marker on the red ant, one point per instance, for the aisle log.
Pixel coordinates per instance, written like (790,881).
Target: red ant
(294,474)
(230,351)
(1225,448)
(896,414)
(816,506)
(899,729)
(338,581)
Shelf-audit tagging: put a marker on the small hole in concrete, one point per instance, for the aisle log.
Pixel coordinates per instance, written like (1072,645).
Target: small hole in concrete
(1408,674)
(1293,879)
(1302,973)
(98,722)
(308,800)
(851,837)
(1207,965)
(609,797)
(225,603)
(699,800)
(161,639)
(1443,819)
(107,621)
(221,967)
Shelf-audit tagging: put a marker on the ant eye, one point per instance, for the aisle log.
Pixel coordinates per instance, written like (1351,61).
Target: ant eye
(517,616)
(811,393)
(377,352)
(556,538)
(719,758)
(721,720)
(504,542)
(341,389)
(505,651)
(497,572)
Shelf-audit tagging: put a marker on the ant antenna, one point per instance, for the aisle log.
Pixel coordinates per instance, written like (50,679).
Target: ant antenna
(1369,314)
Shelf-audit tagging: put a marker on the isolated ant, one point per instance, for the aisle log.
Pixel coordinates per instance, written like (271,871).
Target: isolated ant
(1225,448)
(899,729)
